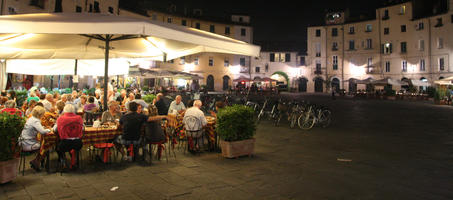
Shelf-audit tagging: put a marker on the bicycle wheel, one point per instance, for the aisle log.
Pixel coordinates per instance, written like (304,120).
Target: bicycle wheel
(276,118)
(306,121)
(292,120)
(260,117)
(325,118)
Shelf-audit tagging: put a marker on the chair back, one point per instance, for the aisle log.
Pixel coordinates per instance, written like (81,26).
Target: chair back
(192,123)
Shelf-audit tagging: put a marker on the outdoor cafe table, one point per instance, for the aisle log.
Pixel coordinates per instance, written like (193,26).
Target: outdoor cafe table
(91,135)
(176,122)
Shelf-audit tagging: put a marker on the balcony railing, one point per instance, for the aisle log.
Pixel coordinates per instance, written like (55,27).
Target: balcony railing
(318,72)
(385,17)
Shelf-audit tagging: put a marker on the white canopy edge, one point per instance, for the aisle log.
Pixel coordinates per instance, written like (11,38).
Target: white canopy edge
(420,83)
(93,67)
(83,23)
(443,82)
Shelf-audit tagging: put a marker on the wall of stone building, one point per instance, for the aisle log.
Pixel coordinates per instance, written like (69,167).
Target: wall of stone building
(429,50)
(23,6)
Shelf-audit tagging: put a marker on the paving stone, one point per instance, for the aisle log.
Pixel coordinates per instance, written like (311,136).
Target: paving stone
(47,196)
(87,192)
(184,171)
(36,190)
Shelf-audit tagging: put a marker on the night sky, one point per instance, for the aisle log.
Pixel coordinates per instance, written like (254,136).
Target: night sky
(280,20)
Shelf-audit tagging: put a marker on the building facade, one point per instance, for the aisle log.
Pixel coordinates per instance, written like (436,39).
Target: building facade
(218,70)
(9,7)
(271,64)
(399,43)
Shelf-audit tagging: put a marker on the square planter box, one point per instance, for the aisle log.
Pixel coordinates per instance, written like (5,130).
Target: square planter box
(8,170)
(238,148)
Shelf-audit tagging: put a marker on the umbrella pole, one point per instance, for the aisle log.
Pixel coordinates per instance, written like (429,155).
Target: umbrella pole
(106,69)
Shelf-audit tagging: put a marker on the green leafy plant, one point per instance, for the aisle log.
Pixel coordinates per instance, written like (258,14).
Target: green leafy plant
(21,96)
(235,123)
(67,91)
(149,98)
(145,88)
(440,94)
(388,91)
(431,91)
(10,129)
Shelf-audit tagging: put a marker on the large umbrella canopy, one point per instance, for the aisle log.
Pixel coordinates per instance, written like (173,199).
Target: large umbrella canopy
(364,81)
(242,79)
(419,83)
(445,81)
(91,36)
(81,36)
(163,73)
(389,81)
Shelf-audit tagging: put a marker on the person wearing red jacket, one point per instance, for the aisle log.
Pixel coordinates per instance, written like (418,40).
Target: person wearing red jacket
(70,129)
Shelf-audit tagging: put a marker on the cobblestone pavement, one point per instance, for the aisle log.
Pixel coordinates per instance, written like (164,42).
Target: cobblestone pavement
(398,150)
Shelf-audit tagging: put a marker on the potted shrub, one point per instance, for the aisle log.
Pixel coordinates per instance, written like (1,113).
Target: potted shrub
(149,98)
(10,129)
(236,127)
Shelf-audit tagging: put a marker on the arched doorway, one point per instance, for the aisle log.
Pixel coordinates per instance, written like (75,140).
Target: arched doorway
(318,84)
(226,82)
(352,85)
(303,84)
(405,80)
(335,84)
(423,88)
(210,83)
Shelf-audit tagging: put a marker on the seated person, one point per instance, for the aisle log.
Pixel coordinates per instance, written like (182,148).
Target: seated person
(112,115)
(60,107)
(177,106)
(81,103)
(70,129)
(160,104)
(90,106)
(132,123)
(28,140)
(153,128)
(138,99)
(218,105)
(10,107)
(194,120)
(29,110)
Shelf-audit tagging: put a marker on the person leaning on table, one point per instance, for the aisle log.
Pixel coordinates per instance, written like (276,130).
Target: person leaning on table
(28,140)
(70,129)
(112,114)
(177,106)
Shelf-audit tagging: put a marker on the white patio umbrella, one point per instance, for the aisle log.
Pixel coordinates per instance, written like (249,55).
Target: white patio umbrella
(419,83)
(389,81)
(98,36)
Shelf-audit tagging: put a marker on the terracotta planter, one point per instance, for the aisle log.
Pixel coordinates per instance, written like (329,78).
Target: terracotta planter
(238,148)
(8,170)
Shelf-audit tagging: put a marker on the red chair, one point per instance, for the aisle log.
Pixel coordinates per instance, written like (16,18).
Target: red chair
(105,147)
(160,147)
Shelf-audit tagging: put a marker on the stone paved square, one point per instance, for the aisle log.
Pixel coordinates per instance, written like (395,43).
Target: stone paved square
(398,150)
